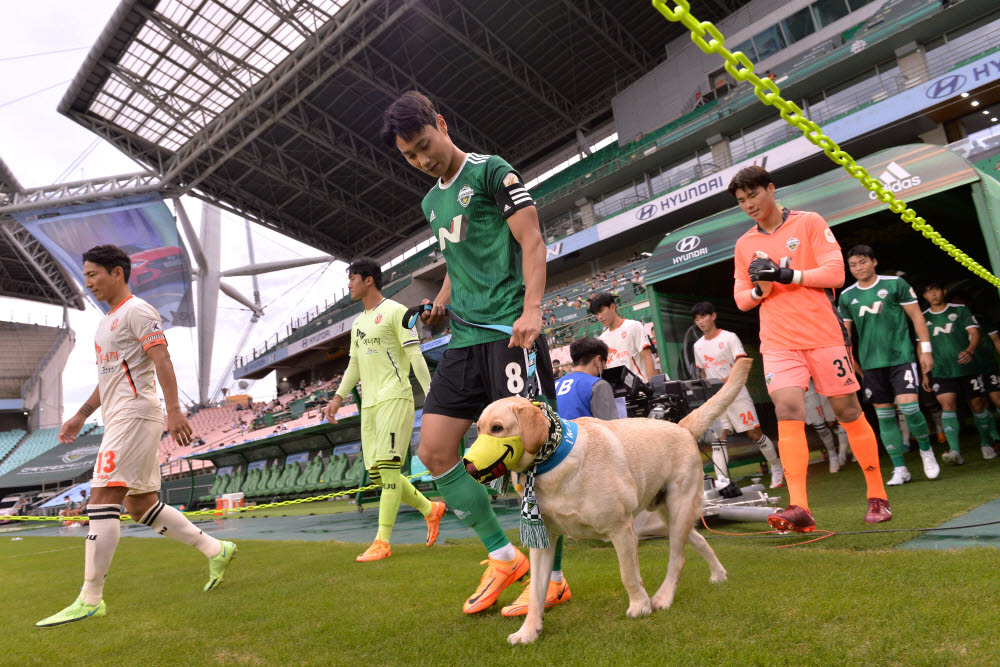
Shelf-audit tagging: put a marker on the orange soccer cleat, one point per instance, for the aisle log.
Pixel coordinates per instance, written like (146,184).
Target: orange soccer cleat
(557,594)
(377,551)
(498,576)
(792,519)
(434,522)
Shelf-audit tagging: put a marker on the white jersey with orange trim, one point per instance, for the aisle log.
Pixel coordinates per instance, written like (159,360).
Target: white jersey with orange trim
(716,355)
(126,376)
(624,345)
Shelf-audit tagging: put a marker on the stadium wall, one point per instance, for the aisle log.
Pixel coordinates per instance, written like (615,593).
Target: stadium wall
(43,392)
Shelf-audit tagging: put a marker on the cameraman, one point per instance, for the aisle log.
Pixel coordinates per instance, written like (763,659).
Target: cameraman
(582,392)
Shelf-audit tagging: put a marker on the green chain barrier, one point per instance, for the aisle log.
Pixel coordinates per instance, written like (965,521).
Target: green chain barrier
(741,69)
(283,503)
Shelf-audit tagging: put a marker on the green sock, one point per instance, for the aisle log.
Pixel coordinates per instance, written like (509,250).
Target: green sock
(993,427)
(892,438)
(557,563)
(918,424)
(949,421)
(388,503)
(414,498)
(983,420)
(470,502)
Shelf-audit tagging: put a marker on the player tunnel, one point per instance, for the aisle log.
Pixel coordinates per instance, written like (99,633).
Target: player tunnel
(695,262)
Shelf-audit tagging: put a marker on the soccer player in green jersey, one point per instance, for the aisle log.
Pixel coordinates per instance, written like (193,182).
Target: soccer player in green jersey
(878,306)
(382,353)
(985,364)
(486,226)
(955,336)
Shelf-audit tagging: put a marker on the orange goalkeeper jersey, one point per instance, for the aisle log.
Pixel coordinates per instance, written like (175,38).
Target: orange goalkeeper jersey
(795,316)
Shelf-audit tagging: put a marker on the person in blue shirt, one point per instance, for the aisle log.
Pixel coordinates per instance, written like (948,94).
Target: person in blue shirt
(582,392)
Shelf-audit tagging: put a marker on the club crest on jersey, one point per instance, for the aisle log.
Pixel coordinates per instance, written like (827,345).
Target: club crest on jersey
(465,195)
(952,317)
(378,318)
(829,235)
(114,324)
(882,293)
(792,243)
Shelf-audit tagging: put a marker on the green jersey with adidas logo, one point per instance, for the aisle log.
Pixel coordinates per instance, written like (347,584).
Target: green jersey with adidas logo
(949,336)
(877,312)
(483,257)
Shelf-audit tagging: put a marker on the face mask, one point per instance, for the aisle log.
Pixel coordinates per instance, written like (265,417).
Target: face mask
(490,457)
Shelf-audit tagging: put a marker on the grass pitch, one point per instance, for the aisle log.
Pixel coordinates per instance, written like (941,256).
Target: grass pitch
(846,599)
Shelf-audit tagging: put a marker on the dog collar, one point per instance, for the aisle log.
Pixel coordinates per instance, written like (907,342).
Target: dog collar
(562,437)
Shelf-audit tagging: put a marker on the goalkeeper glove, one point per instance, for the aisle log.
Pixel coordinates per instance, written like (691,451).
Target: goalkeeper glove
(763,268)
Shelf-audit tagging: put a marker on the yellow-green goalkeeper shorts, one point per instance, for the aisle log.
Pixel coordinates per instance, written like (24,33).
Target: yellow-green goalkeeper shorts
(385,431)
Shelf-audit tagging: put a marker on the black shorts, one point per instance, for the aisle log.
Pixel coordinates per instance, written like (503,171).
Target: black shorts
(970,385)
(992,380)
(470,378)
(883,385)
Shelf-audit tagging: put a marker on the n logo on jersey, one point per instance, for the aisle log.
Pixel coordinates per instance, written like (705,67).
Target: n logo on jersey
(945,329)
(874,310)
(456,233)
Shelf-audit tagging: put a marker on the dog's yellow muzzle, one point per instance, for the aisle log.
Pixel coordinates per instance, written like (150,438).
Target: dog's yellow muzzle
(491,457)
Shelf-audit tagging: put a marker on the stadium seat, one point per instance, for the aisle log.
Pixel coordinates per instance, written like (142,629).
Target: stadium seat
(268,480)
(356,473)
(333,477)
(220,482)
(290,479)
(252,482)
(310,477)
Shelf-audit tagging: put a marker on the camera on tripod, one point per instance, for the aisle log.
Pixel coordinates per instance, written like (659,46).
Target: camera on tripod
(661,398)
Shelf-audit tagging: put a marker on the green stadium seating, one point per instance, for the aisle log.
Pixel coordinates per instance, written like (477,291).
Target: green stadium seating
(290,480)
(220,482)
(335,472)
(310,476)
(356,473)
(252,482)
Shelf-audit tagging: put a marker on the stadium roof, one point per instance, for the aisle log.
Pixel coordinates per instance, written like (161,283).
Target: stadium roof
(271,108)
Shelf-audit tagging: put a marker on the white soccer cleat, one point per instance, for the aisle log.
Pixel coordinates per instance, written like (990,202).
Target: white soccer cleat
(952,456)
(900,476)
(777,478)
(834,464)
(931,467)
(989,452)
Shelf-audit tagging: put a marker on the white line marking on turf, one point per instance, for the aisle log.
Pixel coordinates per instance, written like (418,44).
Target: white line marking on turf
(43,552)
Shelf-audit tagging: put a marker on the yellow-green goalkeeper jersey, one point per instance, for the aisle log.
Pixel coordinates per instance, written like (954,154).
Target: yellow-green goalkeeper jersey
(949,330)
(483,258)
(883,325)
(377,340)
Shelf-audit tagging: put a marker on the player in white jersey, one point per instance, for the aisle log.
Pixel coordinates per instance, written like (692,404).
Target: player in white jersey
(714,353)
(131,353)
(626,341)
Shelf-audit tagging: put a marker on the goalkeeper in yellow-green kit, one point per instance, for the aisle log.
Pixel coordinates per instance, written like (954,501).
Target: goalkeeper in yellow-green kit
(382,353)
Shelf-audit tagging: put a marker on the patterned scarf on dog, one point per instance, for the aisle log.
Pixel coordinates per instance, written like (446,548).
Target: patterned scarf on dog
(533,532)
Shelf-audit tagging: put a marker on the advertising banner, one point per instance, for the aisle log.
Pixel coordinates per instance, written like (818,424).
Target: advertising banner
(143,227)
(56,465)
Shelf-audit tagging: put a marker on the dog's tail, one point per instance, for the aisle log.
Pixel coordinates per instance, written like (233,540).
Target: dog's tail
(698,421)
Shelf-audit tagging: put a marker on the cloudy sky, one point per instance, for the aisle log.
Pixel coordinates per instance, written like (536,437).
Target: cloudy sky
(40,146)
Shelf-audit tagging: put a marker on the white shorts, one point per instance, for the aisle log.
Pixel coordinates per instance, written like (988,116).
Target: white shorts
(818,408)
(130,456)
(740,417)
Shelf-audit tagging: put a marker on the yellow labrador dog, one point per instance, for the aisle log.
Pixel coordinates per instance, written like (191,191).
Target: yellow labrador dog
(615,470)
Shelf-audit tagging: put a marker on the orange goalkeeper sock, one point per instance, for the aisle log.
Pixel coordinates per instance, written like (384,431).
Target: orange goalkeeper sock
(794,452)
(865,448)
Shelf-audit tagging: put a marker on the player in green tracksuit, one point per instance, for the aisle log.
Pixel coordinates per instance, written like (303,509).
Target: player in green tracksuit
(486,226)
(879,307)
(955,336)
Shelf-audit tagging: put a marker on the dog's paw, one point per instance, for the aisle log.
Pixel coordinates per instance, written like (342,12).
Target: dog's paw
(662,601)
(639,608)
(525,635)
(718,577)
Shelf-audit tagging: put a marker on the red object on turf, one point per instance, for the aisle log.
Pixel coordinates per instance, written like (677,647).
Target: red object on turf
(878,511)
(792,519)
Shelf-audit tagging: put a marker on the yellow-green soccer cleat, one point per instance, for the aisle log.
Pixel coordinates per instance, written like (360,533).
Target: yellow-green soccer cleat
(217,565)
(78,611)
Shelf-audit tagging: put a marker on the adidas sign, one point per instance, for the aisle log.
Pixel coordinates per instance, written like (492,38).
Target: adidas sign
(896,179)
